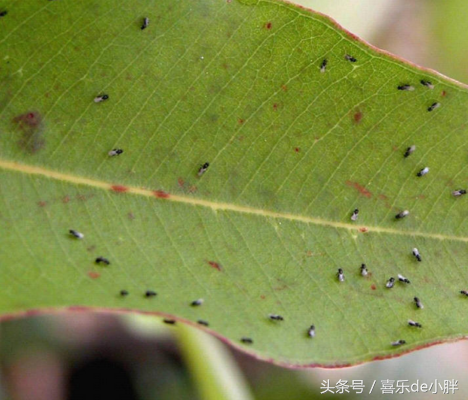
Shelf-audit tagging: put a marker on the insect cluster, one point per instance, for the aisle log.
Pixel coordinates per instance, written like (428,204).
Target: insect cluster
(390,283)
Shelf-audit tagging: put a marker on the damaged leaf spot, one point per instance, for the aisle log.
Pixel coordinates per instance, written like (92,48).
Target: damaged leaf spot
(119,188)
(361,189)
(358,117)
(94,275)
(32,128)
(160,194)
(215,265)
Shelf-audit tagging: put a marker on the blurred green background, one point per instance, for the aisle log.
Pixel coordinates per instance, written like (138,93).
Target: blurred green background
(75,356)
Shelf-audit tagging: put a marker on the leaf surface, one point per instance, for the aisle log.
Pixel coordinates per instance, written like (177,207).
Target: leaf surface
(292,152)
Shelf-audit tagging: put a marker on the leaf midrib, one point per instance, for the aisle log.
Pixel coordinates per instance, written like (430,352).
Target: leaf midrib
(217,206)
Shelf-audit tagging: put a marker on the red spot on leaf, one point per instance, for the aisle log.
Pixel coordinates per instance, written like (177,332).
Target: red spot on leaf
(361,189)
(358,117)
(363,229)
(160,194)
(94,275)
(297,149)
(119,188)
(275,106)
(444,93)
(373,287)
(31,119)
(215,265)
(268,25)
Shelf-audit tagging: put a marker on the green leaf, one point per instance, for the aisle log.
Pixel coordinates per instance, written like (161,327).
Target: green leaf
(292,152)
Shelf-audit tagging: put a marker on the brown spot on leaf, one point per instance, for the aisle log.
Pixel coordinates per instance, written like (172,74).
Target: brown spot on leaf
(297,149)
(361,189)
(268,25)
(41,203)
(65,199)
(181,182)
(32,128)
(284,88)
(131,216)
(240,121)
(275,106)
(215,265)
(363,229)
(119,188)
(94,275)
(160,194)
(357,117)
(373,287)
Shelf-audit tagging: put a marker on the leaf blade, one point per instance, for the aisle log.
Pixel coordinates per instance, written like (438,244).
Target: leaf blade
(292,152)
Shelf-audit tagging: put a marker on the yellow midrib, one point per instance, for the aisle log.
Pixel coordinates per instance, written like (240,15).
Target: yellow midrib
(34,170)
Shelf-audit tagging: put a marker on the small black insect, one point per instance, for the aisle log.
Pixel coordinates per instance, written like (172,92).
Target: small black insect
(350,58)
(398,342)
(3,13)
(401,278)
(203,169)
(102,260)
(427,84)
(275,317)
(323,66)
(464,292)
(203,322)
(418,303)
(354,215)
(197,302)
(246,340)
(100,98)
(115,152)
(340,275)
(311,331)
(414,323)
(150,293)
(390,283)
(145,23)
(76,234)
(406,88)
(403,214)
(364,271)
(433,107)
(410,150)
(169,321)
(124,293)
(423,172)
(416,254)
(459,192)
